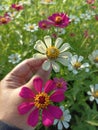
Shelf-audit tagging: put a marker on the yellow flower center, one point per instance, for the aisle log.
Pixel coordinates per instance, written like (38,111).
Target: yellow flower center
(52,52)
(77,65)
(62,118)
(3,20)
(96,59)
(42,100)
(58,19)
(95,94)
(44,25)
(59,85)
(31,27)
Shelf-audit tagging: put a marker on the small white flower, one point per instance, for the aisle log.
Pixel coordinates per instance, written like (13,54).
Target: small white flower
(94,57)
(93,93)
(75,64)
(14,58)
(60,31)
(75,19)
(31,27)
(64,120)
(55,52)
(46,2)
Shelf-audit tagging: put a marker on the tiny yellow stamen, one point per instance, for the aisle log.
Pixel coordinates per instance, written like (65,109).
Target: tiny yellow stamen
(58,19)
(42,100)
(96,59)
(52,52)
(95,94)
(77,65)
(31,27)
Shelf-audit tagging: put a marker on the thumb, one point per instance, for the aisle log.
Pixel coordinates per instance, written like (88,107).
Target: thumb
(44,75)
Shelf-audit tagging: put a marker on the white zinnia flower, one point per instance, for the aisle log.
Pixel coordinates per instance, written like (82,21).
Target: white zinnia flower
(94,57)
(31,27)
(14,58)
(64,120)
(93,93)
(75,64)
(55,52)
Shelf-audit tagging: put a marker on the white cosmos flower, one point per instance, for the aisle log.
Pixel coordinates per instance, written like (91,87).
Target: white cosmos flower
(94,57)
(31,27)
(55,52)
(64,120)
(75,64)
(14,58)
(93,93)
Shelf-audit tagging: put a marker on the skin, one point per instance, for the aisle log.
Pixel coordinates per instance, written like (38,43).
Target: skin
(10,86)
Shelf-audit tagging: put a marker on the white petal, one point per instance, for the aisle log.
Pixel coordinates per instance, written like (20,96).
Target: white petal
(92,88)
(91,98)
(58,42)
(66,125)
(96,100)
(40,46)
(48,41)
(84,65)
(38,55)
(46,65)
(74,59)
(64,47)
(65,54)
(89,93)
(55,122)
(67,118)
(96,86)
(70,67)
(60,126)
(75,71)
(80,58)
(63,61)
(55,67)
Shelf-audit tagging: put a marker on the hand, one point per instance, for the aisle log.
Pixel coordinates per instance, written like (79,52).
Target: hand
(22,75)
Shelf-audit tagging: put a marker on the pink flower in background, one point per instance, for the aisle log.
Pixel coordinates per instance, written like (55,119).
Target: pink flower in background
(61,84)
(90,1)
(44,24)
(41,101)
(59,20)
(4,19)
(17,7)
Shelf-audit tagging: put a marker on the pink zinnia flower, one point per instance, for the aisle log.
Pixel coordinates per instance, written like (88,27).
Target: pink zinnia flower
(41,101)
(17,7)
(4,19)
(44,24)
(90,1)
(61,84)
(59,20)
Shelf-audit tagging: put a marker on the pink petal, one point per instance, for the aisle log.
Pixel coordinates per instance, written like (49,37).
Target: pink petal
(57,96)
(25,107)
(33,118)
(55,111)
(38,83)
(50,85)
(26,93)
(47,118)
